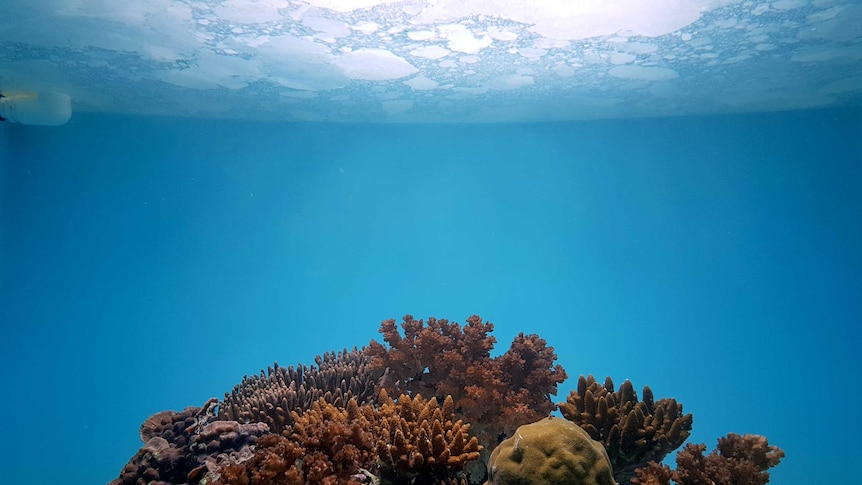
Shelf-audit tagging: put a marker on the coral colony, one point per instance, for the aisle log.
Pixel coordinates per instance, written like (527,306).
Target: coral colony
(431,406)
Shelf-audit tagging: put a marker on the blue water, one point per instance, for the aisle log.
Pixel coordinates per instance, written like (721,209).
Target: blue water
(149,263)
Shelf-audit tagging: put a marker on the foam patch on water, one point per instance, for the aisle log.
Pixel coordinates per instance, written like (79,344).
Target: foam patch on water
(591,58)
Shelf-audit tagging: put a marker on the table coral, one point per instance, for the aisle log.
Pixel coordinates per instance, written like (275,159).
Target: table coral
(551,451)
(633,432)
(496,395)
(737,460)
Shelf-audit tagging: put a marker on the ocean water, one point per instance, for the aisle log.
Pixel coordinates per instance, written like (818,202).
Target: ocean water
(149,263)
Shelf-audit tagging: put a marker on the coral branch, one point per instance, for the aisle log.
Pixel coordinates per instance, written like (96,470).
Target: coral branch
(737,460)
(496,395)
(411,439)
(634,432)
(273,395)
(421,440)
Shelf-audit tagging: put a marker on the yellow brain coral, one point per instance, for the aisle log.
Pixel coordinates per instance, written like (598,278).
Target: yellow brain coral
(553,451)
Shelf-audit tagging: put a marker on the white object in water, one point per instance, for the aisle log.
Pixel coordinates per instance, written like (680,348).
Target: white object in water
(45,108)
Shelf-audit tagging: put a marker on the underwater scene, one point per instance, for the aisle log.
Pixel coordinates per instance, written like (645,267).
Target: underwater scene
(270,242)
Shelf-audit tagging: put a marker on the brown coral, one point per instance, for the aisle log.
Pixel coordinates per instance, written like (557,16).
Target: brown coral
(338,440)
(653,474)
(272,396)
(274,462)
(410,439)
(503,393)
(737,460)
(551,451)
(496,395)
(634,432)
(187,447)
(430,359)
(421,440)
(166,455)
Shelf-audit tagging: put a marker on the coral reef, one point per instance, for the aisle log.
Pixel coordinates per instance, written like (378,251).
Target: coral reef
(633,432)
(273,395)
(552,451)
(334,423)
(737,460)
(495,395)
(411,439)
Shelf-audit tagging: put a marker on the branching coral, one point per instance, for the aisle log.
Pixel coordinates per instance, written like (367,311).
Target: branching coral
(634,432)
(271,396)
(274,462)
(737,460)
(419,440)
(503,393)
(430,359)
(338,439)
(410,439)
(653,474)
(496,395)
(326,445)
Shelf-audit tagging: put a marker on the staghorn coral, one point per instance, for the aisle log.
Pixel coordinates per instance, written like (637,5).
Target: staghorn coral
(634,432)
(551,451)
(271,396)
(495,395)
(737,460)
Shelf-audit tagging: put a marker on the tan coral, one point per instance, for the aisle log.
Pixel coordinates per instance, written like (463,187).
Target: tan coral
(551,451)
(337,439)
(420,439)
